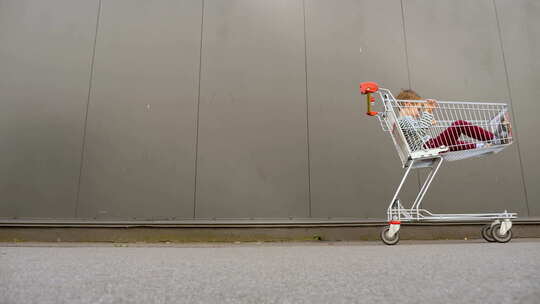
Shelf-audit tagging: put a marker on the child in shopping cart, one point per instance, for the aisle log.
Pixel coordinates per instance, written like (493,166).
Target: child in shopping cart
(416,119)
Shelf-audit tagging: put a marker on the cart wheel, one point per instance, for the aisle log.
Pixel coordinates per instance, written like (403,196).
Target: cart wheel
(498,237)
(386,239)
(486,233)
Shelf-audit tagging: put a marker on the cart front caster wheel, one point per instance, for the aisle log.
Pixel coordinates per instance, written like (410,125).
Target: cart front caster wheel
(495,232)
(487,235)
(389,240)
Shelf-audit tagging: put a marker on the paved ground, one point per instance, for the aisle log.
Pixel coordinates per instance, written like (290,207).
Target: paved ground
(415,272)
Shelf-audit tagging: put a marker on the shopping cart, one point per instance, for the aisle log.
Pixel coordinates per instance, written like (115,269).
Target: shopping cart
(426,133)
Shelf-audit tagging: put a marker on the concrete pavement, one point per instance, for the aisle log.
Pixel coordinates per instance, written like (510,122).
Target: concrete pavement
(318,272)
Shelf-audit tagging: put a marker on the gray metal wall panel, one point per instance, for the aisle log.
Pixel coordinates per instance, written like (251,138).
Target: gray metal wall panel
(45,55)
(354,166)
(520,31)
(252,159)
(140,145)
(454,53)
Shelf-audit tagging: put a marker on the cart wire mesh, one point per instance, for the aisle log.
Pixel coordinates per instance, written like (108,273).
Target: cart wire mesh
(459,129)
(426,133)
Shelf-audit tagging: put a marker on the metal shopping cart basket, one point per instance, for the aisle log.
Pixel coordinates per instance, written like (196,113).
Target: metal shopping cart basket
(426,133)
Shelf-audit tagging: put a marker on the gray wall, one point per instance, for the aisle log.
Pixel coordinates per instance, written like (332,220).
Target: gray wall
(132,109)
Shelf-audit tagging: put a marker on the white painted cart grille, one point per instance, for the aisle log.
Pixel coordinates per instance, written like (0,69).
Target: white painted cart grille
(426,133)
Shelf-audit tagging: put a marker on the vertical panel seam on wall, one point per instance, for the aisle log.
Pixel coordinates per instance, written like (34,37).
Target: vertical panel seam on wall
(83,145)
(511,108)
(408,68)
(405,44)
(197,116)
(307,108)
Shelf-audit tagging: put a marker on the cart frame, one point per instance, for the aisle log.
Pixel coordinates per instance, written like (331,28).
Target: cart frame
(500,227)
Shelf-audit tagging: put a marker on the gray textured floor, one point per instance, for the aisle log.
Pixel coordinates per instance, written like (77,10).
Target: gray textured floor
(416,272)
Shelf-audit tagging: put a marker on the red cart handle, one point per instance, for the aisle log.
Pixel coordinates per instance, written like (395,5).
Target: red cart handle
(367,88)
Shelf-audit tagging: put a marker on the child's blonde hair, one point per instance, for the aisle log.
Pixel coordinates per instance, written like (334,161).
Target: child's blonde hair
(408,95)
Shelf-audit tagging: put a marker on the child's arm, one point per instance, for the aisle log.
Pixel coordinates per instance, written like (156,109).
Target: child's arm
(430,105)
(425,121)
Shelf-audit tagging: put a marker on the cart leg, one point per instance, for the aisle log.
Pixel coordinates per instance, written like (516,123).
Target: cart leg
(391,216)
(425,186)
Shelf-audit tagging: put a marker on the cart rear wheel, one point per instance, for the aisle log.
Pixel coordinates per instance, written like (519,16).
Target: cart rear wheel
(389,240)
(497,235)
(486,233)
